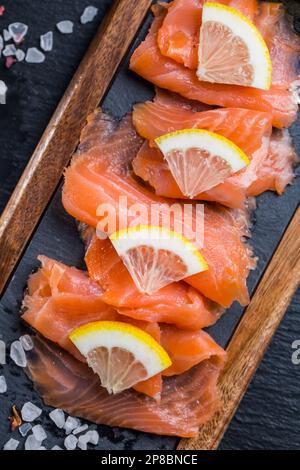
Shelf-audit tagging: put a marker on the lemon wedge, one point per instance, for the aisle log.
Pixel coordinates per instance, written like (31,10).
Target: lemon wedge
(156,256)
(121,354)
(231,49)
(199,159)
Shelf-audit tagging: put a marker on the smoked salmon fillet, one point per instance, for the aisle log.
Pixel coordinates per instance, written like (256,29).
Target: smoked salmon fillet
(100,173)
(164,72)
(272,158)
(188,400)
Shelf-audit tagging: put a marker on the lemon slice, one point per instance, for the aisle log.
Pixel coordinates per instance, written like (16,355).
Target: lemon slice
(156,256)
(199,159)
(121,354)
(231,49)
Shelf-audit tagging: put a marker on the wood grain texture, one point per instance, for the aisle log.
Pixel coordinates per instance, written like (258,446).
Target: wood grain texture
(253,334)
(60,138)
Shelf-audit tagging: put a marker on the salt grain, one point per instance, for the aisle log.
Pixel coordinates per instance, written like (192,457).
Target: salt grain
(24,429)
(71,424)
(20,55)
(3,384)
(39,433)
(58,417)
(34,56)
(89,14)
(56,448)
(70,442)
(25,340)
(10,49)
(32,443)
(1,44)
(80,429)
(3,90)
(46,41)
(17,354)
(82,443)
(18,31)
(12,444)
(65,27)
(30,412)
(6,35)
(93,437)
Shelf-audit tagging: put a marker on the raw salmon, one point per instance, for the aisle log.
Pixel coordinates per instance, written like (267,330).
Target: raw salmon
(100,173)
(178,36)
(250,130)
(176,303)
(188,400)
(164,72)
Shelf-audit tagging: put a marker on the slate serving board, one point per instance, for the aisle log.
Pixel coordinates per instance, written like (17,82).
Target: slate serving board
(56,236)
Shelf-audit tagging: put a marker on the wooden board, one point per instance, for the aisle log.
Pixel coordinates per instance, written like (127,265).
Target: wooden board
(273,215)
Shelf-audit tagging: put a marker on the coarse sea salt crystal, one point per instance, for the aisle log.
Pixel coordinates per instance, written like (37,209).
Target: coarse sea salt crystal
(80,429)
(71,424)
(46,41)
(88,14)
(24,429)
(6,35)
(56,448)
(65,27)
(82,443)
(26,340)
(1,44)
(32,443)
(58,417)
(12,444)
(30,412)
(17,354)
(10,49)
(20,55)
(93,437)
(18,31)
(3,90)
(34,56)
(70,442)
(3,384)
(39,433)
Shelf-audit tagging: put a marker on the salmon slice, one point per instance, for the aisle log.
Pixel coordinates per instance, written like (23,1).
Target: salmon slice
(272,160)
(164,72)
(100,173)
(61,298)
(178,36)
(176,303)
(188,400)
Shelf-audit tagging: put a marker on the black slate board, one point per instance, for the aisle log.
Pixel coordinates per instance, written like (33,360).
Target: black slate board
(57,237)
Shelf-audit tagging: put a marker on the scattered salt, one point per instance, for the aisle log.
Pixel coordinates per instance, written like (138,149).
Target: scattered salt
(10,49)
(56,448)
(3,384)
(93,437)
(70,442)
(39,433)
(65,27)
(25,340)
(32,443)
(24,429)
(3,90)
(71,424)
(6,35)
(30,412)
(20,55)
(82,443)
(80,429)
(46,41)
(89,14)
(18,31)
(58,417)
(34,56)
(1,44)
(12,444)
(17,354)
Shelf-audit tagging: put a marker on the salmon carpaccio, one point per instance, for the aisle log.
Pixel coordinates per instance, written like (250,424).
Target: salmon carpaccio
(148,61)
(101,171)
(62,298)
(188,400)
(272,158)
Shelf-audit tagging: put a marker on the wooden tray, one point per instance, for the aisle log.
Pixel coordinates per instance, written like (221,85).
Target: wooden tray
(34,222)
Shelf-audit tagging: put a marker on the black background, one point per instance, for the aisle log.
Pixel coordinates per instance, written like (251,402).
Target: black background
(268,417)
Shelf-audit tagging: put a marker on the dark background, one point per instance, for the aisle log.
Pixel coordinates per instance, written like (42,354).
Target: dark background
(269,415)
